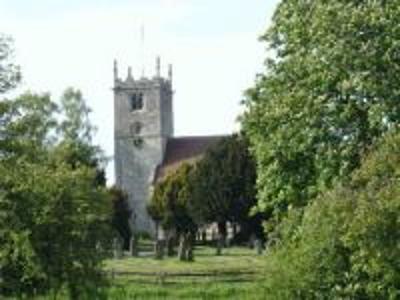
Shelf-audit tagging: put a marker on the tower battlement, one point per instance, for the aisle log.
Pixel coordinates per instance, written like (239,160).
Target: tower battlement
(143,80)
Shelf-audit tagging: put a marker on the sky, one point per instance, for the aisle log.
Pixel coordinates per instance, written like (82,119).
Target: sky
(212,45)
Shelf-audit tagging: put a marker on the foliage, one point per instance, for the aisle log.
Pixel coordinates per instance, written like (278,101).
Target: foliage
(330,90)
(75,132)
(52,222)
(75,124)
(169,207)
(121,214)
(347,244)
(54,216)
(229,193)
(198,195)
(170,201)
(9,72)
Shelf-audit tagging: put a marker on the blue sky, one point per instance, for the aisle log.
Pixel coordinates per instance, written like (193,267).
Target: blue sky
(212,45)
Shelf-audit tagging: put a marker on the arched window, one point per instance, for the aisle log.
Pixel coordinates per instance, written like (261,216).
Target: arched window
(136,101)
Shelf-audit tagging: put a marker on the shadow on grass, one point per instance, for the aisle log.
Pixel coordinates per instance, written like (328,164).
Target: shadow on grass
(169,282)
(225,253)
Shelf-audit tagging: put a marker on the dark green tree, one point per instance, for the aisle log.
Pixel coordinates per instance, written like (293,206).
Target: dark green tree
(330,89)
(346,244)
(121,214)
(54,216)
(169,207)
(224,185)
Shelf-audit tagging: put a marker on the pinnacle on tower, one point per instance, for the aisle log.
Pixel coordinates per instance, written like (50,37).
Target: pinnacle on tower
(170,73)
(130,77)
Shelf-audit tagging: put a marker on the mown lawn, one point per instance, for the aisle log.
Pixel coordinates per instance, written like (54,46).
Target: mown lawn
(237,274)
(234,275)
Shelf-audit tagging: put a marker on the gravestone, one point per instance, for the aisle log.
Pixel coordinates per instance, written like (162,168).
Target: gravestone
(133,246)
(117,248)
(258,246)
(159,246)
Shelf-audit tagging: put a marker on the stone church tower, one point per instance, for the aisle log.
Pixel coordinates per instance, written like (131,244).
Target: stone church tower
(143,123)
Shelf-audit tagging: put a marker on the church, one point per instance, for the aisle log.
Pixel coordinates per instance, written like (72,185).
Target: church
(145,148)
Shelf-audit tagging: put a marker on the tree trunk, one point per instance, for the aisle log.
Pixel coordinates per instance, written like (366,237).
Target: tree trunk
(170,243)
(73,292)
(159,249)
(190,245)
(235,229)
(186,241)
(203,236)
(221,237)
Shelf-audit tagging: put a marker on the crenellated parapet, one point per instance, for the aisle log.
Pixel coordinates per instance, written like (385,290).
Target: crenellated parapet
(129,82)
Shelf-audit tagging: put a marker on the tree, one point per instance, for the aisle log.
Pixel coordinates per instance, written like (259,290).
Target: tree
(169,207)
(9,72)
(229,193)
(54,217)
(330,90)
(75,132)
(121,214)
(346,245)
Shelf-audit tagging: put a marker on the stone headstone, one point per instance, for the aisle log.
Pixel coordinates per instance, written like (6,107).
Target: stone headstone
(159,246)
(133,251)
(117,248)
(258,246)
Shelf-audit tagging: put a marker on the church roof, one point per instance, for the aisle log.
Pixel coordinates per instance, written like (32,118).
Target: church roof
(181,150)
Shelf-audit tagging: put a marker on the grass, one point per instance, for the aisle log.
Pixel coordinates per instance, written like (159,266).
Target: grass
(237,274)
(234,275)
(234,259)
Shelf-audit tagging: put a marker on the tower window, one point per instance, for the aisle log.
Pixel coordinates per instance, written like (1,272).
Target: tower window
(136,101)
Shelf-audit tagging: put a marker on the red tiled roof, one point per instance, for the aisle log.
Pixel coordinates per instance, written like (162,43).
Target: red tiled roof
(184,149)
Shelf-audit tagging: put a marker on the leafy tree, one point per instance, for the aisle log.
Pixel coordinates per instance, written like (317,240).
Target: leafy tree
(169,207)
(54,220)
(26,123)
(229,193)
(53,214)
(9,72)
(75,125)
(346,245)
(75,132)
(329,91)
(121,214)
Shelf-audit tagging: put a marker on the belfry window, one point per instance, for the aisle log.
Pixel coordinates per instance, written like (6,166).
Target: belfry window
(136,101)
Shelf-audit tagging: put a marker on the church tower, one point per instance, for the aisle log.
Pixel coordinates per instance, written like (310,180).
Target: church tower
(143,122)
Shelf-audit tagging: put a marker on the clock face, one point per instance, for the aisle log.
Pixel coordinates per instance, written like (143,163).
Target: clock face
(136,128)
